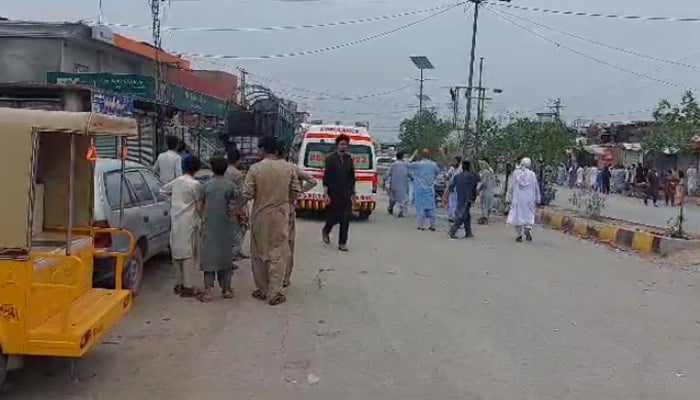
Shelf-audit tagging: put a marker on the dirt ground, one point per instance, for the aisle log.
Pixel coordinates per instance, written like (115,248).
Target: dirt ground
(407,315)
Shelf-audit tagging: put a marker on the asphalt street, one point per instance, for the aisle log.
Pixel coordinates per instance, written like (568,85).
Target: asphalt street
(407,315)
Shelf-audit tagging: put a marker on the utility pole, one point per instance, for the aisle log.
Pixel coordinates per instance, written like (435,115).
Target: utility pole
(472,55)
(479,107)
(158,69)
(556,108)
(454,95)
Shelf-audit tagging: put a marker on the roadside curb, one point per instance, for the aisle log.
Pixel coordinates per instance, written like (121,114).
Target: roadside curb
(637,240)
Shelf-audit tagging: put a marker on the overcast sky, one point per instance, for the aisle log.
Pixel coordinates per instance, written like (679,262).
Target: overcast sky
(528,69)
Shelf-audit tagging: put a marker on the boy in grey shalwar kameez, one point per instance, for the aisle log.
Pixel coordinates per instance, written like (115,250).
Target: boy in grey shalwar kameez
(220,195)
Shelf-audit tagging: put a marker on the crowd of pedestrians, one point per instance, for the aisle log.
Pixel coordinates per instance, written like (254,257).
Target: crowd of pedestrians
(464,186)
(209,220)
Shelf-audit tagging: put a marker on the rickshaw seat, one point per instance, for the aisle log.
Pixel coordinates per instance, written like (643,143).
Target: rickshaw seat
(55,242)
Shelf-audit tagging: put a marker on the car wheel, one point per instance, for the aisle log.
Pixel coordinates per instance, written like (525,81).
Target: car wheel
(133,271)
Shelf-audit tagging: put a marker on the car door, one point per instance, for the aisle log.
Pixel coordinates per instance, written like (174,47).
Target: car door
(112,180)
(163,207)
(148,209)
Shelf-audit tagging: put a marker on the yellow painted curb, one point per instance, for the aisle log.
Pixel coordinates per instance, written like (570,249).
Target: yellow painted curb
(643,242)
(608,233)
(556,221)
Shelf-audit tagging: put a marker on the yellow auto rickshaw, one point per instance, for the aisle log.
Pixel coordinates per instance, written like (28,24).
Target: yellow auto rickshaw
(48,306)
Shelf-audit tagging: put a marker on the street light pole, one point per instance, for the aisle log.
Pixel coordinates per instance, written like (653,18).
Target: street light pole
(422,63)
(420,96)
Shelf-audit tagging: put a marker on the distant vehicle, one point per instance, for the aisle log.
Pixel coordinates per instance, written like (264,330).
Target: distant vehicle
(146,216)
(440,185)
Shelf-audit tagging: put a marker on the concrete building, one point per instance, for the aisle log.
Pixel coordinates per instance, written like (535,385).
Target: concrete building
(28,50)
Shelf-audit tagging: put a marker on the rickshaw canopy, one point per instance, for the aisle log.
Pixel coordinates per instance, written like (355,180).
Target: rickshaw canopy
(36,149)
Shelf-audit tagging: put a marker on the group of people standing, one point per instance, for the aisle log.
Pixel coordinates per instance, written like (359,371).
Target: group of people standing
(648,181)
(209,220)
(461,192)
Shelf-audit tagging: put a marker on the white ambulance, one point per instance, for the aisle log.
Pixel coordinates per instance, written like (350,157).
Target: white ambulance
(317,142)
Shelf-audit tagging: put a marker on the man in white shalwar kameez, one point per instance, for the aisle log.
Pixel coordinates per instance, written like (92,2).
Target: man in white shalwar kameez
(185,200)
(523,196)
(168,166)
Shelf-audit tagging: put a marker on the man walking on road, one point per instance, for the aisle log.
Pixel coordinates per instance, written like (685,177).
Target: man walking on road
(487,190)
(272,185)
(464,185)
(398,189)
(424,173)
(523,196)
(307,182)
(339,188)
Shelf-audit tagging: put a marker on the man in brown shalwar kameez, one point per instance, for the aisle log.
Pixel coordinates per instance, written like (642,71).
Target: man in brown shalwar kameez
(271,184)
(306,183)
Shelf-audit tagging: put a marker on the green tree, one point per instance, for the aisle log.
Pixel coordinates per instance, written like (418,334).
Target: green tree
(676,126)
(428,131)
(528,138)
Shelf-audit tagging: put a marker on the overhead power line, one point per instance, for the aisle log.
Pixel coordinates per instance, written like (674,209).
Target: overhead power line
(582,54)
(323,49)
(597,43)
(597,15)
(326,95)
(356,98)
(646,110)
(285,27)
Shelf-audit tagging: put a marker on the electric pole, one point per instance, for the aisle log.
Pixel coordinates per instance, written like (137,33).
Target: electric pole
(158,69)
(479,107)
(556,108)
(472,55)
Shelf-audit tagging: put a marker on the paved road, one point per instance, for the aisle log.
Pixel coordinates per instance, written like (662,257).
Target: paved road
(409,315)
(633,209)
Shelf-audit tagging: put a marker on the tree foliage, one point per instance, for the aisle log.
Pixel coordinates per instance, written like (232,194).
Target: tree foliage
(427,131)
(528,138)
(676,127)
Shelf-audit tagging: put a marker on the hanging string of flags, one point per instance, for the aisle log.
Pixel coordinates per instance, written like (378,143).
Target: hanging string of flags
(595,15)
(322,49)
(283,28)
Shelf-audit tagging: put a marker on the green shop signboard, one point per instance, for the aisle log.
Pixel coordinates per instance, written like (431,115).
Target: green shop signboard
(130,84)
(144,87)
(196,102)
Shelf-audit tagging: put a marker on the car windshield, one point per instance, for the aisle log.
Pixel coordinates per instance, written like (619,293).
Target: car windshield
(315,155)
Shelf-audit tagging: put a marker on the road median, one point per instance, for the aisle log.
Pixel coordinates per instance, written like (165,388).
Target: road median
(644,239)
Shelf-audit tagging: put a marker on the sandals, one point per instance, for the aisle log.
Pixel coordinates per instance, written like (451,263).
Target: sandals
(206,296)
(277,299)
(227,293)
(187,292)
(258,294)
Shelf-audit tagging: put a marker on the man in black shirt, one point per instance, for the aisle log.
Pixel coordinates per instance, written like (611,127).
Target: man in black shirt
(465,185)
(339,190)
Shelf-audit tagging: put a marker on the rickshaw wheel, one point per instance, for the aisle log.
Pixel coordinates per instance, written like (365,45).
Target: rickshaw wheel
(133,271)
(4,360)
